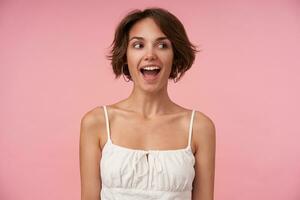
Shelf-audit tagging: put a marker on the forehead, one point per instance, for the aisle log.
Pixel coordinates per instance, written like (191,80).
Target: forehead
(146,28)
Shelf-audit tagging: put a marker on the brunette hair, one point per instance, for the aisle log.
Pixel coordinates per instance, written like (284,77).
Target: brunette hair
(183,50)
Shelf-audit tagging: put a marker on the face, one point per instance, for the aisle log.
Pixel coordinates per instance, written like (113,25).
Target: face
(149,51)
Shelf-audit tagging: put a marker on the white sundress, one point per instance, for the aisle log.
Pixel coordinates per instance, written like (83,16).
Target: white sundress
(131,174)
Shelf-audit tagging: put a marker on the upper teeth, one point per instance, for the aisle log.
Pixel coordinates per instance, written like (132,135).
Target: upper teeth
(151,68)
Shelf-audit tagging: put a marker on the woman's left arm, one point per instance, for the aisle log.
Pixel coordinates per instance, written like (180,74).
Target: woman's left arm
(204,137)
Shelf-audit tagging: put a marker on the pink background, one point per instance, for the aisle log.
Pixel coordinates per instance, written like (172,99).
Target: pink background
(246,79)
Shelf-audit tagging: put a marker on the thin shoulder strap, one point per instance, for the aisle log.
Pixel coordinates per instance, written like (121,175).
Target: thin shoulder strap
(191,128)
(107,123)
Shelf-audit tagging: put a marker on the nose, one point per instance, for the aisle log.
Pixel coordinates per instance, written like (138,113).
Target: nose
(150,55)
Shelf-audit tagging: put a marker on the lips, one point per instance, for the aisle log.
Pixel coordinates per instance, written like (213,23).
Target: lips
(150,72)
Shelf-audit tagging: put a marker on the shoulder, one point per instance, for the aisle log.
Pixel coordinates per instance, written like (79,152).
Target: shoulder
(204,131)
(91,118)
(91,123)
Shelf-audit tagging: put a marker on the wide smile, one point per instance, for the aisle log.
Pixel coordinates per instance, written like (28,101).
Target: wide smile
(150,73)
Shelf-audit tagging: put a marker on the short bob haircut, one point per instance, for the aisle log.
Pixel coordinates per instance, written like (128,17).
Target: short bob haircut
(183,50)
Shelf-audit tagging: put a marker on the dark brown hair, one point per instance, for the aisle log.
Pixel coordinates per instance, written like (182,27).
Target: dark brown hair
(183,50)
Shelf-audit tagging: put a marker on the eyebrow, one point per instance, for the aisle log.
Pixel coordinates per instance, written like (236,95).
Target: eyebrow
(141,38)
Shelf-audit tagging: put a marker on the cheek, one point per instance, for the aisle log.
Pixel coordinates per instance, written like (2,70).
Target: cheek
(132,58)
(133,62)
(168,58)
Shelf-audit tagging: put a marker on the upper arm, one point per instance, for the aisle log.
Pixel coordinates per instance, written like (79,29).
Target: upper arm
(90,155)
(204,135)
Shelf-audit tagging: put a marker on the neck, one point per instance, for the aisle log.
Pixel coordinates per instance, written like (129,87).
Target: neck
(149,104)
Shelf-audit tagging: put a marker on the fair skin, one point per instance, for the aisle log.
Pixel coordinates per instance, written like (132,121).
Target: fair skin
(148,118)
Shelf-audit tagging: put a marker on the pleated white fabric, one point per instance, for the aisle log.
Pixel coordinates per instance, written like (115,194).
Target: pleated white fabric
(130,174)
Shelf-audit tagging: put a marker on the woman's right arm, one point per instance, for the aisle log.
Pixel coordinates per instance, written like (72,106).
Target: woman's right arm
(89,156)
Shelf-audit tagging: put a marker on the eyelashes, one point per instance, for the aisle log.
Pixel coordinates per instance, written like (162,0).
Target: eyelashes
(164,45)
(139,45)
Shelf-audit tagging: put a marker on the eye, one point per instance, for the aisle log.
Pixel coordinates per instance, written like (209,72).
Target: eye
(137,45)
(163,45)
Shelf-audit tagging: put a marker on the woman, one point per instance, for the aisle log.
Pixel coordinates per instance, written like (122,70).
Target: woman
(146,146)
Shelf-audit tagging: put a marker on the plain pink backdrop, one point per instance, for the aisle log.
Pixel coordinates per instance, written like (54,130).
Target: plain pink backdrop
(246,79)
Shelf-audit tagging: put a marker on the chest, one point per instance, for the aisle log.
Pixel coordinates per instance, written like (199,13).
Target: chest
(163,133)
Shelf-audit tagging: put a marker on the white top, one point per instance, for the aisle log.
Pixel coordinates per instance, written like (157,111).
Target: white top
(130,174)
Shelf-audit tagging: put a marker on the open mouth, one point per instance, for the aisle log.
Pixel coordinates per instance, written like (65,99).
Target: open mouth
(150,73)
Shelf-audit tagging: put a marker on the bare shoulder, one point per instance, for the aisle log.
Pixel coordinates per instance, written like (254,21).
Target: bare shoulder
(204,131)
(92,123)
(92,117)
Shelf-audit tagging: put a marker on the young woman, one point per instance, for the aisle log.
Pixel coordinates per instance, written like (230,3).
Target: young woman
(146,146)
